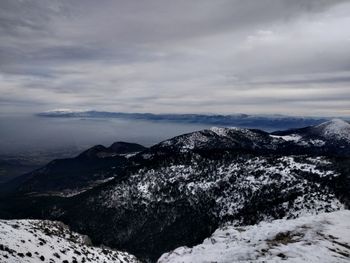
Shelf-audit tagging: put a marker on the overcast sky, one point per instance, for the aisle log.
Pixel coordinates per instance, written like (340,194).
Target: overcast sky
(183,56)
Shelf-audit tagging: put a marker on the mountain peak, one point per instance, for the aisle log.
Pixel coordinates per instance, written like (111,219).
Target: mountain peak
(335,128)
(93,151)
(220,131)
(337,122)
(126,147)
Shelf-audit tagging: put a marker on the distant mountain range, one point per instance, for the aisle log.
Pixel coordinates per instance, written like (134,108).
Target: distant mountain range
(265,122)
(150,201)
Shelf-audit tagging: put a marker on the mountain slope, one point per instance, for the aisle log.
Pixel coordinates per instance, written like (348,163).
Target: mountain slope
(322,238)
(99,163)
(179,191)
(335,129)
(329,138)
(335,132)
(198,181)
(32,241)
(73,175)
(218,139)
(154,210)
(126,147)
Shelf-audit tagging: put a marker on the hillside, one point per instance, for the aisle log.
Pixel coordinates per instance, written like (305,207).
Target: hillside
(322,238)
(179,191)
(32,241)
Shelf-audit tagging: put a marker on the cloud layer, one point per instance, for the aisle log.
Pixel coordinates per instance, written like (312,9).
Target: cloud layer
(224,56)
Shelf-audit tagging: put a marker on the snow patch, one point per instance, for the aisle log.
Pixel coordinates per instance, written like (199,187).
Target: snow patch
(321,238)
(288,138)
(32,241)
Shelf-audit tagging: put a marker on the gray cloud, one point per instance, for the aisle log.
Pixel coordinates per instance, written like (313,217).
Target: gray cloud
(220,56)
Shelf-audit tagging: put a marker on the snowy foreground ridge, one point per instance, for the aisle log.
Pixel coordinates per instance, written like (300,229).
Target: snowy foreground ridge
(321,238)
(32,241)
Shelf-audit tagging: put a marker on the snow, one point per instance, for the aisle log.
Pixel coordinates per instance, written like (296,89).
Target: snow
(220,131)
(129,155)
(191,141)
(225,132)
(32,241)
(288,138)
(335,129)
(321,238)
(212,138)
(232,184)
(298,139)
(187,142)
(232,137)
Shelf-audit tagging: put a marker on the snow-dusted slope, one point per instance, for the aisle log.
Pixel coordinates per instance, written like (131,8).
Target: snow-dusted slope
(321,238)
(218,138)
(328,138)
(32,241)
(334,129)
(178,204)
(180,190)
(232,186)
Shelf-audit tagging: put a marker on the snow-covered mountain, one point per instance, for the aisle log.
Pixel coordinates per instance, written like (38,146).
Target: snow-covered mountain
(218,138)
(329,138)
(32,241)
(176,193)
(322,238)
(98,164)
(180,202)
(335,131)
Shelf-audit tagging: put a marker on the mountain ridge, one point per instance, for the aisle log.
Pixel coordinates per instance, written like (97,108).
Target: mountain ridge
(179,191)
(267,122)
(73,175)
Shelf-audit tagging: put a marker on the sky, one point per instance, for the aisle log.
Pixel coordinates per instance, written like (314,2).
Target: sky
(184,56)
